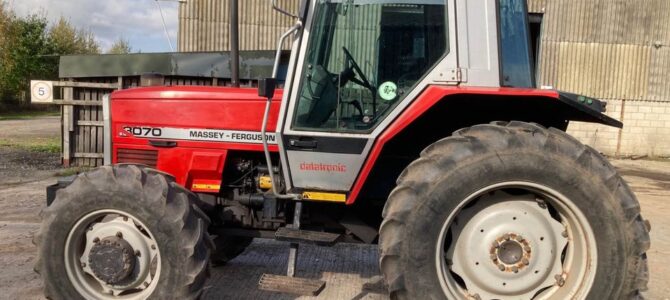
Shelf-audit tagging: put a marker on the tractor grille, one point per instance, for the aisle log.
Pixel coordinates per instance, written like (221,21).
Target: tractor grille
(135,156)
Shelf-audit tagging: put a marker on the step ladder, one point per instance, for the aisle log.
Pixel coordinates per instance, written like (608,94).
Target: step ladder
(289,283)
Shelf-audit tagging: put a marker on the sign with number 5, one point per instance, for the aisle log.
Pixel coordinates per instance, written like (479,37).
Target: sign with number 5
(41,91)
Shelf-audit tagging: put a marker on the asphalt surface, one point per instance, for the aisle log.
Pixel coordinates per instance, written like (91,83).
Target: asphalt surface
(350,270)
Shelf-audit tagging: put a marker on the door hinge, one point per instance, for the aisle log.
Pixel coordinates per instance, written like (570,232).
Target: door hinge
(457,75)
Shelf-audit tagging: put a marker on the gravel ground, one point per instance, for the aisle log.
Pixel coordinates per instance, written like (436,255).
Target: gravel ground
(351,271)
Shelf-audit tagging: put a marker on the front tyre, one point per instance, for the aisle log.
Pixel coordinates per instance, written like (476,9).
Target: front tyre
(512,210)
(123,232)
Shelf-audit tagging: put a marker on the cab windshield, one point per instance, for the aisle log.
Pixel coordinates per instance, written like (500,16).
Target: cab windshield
(363,57)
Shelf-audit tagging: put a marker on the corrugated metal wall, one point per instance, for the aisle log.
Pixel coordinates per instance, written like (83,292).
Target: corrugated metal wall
(610,49)
(203,24)
(616,50)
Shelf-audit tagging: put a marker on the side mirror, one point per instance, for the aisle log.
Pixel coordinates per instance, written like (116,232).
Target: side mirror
(266,87)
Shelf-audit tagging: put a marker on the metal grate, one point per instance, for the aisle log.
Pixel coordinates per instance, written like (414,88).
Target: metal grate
(136,156)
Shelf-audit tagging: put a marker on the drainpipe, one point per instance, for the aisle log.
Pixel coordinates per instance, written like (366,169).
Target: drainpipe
(234,44)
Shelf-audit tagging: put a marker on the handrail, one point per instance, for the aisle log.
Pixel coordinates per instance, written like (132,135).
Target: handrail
(275,70)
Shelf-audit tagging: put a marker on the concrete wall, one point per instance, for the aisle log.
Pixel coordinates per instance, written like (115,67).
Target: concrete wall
(618,51)
(646,130)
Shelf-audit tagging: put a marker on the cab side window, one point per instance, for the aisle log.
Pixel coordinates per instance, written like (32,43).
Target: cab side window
(364,58)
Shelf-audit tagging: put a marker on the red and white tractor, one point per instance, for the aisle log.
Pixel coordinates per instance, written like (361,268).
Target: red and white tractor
(415,125)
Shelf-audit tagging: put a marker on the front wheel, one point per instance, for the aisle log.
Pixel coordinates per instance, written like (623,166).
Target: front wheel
(123,232)
(512,210)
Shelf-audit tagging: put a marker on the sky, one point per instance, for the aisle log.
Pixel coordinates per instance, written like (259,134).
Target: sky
(138,21)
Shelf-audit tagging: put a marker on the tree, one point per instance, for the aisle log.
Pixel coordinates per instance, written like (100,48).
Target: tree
(63,37)
(121,46)
(66,39)
(25,54)
(29,49)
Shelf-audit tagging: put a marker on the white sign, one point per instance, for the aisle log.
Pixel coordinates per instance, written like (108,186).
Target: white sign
(41,91)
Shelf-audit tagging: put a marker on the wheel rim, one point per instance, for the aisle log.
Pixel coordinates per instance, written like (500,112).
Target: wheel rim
(110,254)
(516,239)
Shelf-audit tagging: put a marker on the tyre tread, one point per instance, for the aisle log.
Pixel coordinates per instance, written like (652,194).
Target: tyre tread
(468,142)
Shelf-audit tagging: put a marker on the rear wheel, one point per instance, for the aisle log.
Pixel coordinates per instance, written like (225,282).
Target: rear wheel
(512,211)
(123,232)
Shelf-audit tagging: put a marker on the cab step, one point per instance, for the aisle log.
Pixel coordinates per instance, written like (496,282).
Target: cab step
(306,237)
(291,285)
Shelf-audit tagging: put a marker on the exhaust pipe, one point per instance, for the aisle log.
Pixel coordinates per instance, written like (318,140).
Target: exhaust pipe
(234,44)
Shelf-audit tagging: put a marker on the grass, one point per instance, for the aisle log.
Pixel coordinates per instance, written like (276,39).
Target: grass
(43,145)
(27,115)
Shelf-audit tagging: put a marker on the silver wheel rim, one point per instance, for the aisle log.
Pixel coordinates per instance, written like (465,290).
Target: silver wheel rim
(516,240)
(99,227)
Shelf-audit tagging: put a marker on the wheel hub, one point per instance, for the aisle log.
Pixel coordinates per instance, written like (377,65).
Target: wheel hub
(112,259)
(119,255)
(523,256)
(511,251)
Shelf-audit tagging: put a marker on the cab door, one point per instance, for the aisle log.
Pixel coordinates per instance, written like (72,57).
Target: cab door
(360,64)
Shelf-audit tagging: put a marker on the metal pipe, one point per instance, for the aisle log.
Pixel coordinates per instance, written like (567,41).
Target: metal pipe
(234,44)
(264,138)
(275,67)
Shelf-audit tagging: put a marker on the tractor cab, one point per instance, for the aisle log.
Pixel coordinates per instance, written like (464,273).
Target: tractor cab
(356,65)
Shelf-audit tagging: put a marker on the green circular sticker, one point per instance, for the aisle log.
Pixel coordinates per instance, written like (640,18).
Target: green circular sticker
(388,90)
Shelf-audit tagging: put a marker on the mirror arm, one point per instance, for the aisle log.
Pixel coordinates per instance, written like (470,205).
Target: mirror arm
(281,10)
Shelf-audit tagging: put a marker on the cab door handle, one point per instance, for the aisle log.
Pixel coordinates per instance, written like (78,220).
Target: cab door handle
(303,144)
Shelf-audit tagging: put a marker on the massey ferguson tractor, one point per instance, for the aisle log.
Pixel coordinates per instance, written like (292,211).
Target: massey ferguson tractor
(414,125)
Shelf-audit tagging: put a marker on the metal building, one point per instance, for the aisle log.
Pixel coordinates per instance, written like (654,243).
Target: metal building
(616,50)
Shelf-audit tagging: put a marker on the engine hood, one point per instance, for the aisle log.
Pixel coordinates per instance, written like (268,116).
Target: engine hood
(192,93)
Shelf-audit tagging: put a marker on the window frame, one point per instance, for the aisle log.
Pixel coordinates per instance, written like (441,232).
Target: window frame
(437,74)
(381,117)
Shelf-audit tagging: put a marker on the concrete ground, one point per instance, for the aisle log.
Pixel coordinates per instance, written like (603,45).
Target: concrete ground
(351,271)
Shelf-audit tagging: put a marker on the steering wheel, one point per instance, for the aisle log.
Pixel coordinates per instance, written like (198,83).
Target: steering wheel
(348,75)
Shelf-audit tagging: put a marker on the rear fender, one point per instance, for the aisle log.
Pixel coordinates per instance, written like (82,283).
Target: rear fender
(441,110)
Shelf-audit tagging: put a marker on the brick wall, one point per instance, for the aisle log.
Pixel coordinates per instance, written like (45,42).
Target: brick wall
(646,130)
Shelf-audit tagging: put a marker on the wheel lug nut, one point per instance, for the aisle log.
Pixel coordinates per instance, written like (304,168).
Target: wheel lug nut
(515,269)
(565,234)
(138,253)
(525,261)
(559,280)
(153,247)
(96,240)
(519,238)
(119,235)
(526,248)
(83,265)
(506,237)
(501,267)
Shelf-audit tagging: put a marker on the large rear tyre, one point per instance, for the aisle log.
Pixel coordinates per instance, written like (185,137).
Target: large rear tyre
(123,232)
(512,210)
